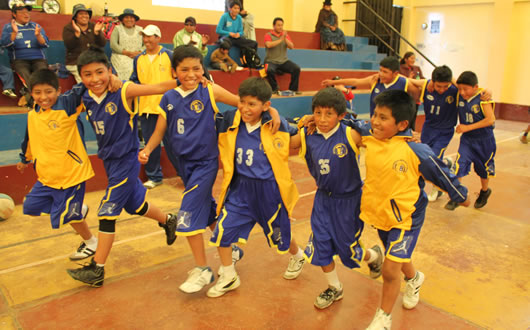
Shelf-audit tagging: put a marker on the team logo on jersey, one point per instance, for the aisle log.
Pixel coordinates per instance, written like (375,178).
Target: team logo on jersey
(450,99)
(89,112)
(310,248)
(111,108)
(340,150)
(461,104)
(277,236)
(402,246)
(197,106)
(475,108)
(430,97)
(169,107)
(53,125)
(400,166)
(377,90)
(278,143)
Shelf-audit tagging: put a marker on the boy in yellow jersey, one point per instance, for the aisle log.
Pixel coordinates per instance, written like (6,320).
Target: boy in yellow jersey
(393,199)
(54,142)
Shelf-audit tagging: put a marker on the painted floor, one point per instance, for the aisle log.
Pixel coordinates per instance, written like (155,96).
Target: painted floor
(475,261)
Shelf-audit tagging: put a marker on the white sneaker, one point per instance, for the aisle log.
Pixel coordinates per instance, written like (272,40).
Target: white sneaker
(381,321)
(83,251)
(434,195)
(197,279)
(150,184)
(412,291)
(294,268)
(223,285)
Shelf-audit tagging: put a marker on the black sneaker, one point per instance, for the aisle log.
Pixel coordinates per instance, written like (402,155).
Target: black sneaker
(376,267)
(171,227)
(482,198)
(90,274)
(451,205)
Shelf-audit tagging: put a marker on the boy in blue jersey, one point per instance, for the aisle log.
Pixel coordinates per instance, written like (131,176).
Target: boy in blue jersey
(477,143)
(257,186)
(54,142)
(388,78)
(331,155)
(114,121)
(393,199)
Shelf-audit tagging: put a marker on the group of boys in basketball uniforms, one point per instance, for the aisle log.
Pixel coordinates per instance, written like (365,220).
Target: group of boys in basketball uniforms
(253,144)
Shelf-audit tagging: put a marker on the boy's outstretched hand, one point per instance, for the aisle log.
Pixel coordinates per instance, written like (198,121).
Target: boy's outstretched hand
(276,121)
(115,83)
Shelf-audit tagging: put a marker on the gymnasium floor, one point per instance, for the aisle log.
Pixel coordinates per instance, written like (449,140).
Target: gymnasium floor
(475,261)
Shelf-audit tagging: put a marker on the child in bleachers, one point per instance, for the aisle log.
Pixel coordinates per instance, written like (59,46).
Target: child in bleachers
(257,185)
(220,59)
(114,120)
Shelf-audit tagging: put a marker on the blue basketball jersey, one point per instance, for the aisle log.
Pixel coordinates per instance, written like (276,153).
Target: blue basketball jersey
(332,161)
(400,83)
(250,158)
(440,109)
(469,112)
(113,122)
(190,119)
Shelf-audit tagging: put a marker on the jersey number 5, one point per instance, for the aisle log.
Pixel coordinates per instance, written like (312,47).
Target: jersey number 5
(324,166)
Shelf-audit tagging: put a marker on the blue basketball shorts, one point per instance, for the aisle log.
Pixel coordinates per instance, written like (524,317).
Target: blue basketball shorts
(252,201)
(399,243)
(198,208)
(63,205)
(124,190)
(477,151)
(336,229)
(437,138)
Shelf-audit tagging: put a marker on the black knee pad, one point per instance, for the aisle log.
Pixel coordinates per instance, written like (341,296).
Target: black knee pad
(107,226)
(144,209)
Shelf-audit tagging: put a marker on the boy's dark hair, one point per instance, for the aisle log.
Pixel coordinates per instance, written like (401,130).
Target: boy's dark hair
(183,52)
(92,55)
(329,97)
(44,77)
(468,78)
(391,63)
(276,20)
(405,57)
(235,2)
(224,45)
(399,102)
(442,74)
(257,87)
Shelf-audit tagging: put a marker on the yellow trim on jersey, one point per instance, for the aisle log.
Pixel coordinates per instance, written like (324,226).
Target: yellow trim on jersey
(123,96)
(212,98)
(220,228)
(373,85)
(441,153)
(162,112)
(394,258)
(352,249)
(141,206)
(406,85)
(104,200)
(457,166)
(303,145)
(486,166)
(65,212)
(269,236)
(492,107)
(187,191)
(242,240)
(423,88)
(350,140)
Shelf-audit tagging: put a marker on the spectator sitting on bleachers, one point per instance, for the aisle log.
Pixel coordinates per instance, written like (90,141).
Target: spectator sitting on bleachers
(220,59)
(125,43)
(8,80)
(188,36)
(230,28)
(25,42)
(276,43)
(248,20)
(79,35)
(331,37)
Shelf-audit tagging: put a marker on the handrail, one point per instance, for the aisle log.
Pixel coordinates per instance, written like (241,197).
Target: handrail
(378,37)
(391,27)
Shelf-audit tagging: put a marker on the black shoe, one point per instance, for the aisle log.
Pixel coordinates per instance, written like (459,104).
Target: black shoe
(171,227)
(482,198)
(90,274)
(451,205)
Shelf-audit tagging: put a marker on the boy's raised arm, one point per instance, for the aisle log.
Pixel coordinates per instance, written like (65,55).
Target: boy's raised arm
(222,95)
(134,90)
(361,83)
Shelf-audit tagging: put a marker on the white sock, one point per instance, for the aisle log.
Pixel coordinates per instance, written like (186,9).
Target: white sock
(92,242)
(299,254)
(373,256)
(333,279)
(229,271)
(100,265)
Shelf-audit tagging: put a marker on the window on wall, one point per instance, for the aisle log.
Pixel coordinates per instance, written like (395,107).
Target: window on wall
(218,5)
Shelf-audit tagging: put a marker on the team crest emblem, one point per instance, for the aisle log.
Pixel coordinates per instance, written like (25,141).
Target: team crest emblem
(197,106)
(450,99)
(377,90)
(340,150)
(89,112)
(400,166)
(278,143)
(111,108)
(475,108)
(430,97)
(169,107)
(53,125)
(461,104)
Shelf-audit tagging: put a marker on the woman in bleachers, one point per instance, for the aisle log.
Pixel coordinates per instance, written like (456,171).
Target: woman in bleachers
(408,68)
(126,42)
(331,37)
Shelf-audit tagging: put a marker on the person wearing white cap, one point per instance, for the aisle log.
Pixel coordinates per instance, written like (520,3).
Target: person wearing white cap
(152,66)
(126,43)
